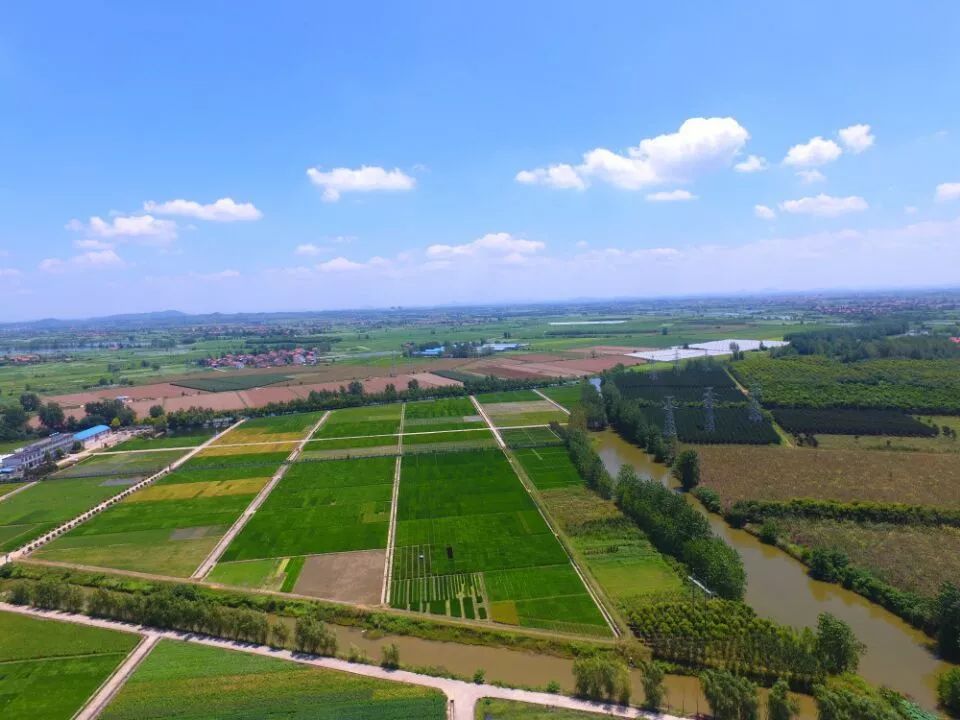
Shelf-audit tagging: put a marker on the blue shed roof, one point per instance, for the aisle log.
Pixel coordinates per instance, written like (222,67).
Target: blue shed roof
(91,432)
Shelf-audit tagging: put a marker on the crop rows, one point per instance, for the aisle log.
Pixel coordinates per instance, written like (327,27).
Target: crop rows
(733,425)
(848,421)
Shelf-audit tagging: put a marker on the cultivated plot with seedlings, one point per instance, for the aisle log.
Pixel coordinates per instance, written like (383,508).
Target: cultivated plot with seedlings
(170,527)
(471,543)
(530,437)
(185,439)
(335,506)
(179,680)
(49,669)
(566,395)
(443,414)
(447,440)
(272,429)
(362,421)
(130,465)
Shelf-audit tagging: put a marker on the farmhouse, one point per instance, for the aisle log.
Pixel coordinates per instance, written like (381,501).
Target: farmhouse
(34,454)
(91,434)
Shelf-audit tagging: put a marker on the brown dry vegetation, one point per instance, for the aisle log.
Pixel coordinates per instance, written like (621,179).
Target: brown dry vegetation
(740,472)
(917,559)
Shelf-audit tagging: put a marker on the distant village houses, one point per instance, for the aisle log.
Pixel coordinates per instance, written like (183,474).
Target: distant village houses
(272,358)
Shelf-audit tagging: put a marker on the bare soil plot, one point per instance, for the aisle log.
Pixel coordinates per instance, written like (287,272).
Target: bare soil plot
(264,396)
(743,472)
(355,577)
(532,412)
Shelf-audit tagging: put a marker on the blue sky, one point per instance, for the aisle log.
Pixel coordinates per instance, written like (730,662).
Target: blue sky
(375,154)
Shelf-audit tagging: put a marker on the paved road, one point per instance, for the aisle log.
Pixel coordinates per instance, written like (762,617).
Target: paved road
(463,694)
(10,494)
(552,402)
(207,565)
(496,433)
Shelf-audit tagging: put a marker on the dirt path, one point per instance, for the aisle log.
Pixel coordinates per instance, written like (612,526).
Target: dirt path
(557,405)
(486,419)
(80,519)
(207,565)
(98,703)
(463,696)
(392,532)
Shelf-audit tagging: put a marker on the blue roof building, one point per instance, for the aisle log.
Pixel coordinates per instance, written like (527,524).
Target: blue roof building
(90,433)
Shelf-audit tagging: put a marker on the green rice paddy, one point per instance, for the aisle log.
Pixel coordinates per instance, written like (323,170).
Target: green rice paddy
(168,440)
(321,507)
(362,421)
(566,395)
(121,464)
(549,467)
(49,669)
(194,682)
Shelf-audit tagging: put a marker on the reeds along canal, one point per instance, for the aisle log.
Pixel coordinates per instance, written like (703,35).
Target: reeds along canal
(779,588)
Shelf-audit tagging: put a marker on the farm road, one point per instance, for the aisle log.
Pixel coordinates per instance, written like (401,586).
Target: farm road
(557,405)
(19,490)
(463,695)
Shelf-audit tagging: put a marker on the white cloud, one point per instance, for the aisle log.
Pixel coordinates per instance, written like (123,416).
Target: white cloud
(364,179)
(815,152)
(90,244)
(825,205)
(9,272)
(503,245)
(910,209)
(98,259)
(222,210)
(52,265)
(145,228)
(808,177)
(309,249)
(339,264)
(763,212)
(856,138)
(948,191)
(671,196)
(753,163)
(556,176)
(221,275)
(699,145)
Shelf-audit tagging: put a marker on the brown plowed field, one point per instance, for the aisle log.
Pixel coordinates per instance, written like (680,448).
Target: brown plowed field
(355,577)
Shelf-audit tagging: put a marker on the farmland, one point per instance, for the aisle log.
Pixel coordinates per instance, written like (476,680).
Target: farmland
(494,709)
(49,669)
(530,437)
(120,465)
(921,386)
(940,443)
(849,421)
(168,440)
(549,467)
(273,429)
(179,680)
(9,487)
(31,513)
(362,421)
(733,425)
(321,507)
(470,543)
(911,558)
(170,527)
(566,395)
(220,382)
(442,414)
(780,473)
(686,384)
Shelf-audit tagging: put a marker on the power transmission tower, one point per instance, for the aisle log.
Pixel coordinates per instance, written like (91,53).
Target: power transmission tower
(669,421)
(709,421)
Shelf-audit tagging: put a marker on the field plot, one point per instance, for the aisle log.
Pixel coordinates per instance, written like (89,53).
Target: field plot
(549,467)
(441,414)
(566,395)
(530,437)
(6,488)
(321,507)
(494,709)
(220,382)
(448,440)
(940,444)
(913,558)
(28,515)
(617,553)
(120,465)
(273,429)
(362,422)
(780,473)
(523,412)
(507,396)
(685,385)
(333,448)
(180,680)
(852,421)
(49,669)
(471,543)
(167,440)
(733,425)
(170,527)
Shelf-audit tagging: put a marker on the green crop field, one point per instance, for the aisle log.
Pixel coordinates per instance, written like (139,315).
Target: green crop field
(494,709)
(171,526)
(549,467)
(443,414)
(121,464)
(49,669)
(507,396)
(8,487)
(516,414)
(223,381)
(321,507)
(168,440)
(30,514)
(179,680)
(362,421)
(530,437)
(470,542)
(448,439)
(566,395)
